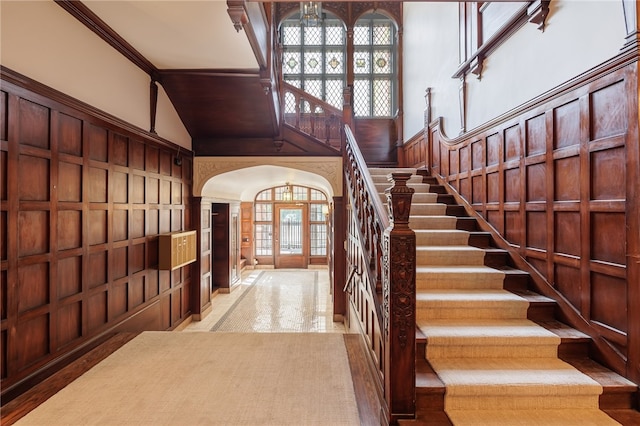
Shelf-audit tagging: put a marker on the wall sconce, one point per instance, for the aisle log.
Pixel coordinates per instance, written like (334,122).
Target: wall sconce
(287,195)
(325,211)
(310,13)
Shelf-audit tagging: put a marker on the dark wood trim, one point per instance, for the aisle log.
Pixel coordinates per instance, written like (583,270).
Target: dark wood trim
(20,82)
(92,21)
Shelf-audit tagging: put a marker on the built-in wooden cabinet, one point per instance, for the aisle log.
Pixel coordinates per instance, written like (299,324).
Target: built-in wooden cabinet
(176,249)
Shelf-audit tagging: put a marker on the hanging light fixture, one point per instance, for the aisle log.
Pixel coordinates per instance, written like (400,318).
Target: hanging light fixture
(287,195)
(310,13)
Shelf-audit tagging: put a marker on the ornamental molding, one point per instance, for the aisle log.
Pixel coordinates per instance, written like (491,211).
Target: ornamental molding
(204,168)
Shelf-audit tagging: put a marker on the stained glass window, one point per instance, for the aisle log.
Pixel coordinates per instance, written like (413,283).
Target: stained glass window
(374,87)
(314,57)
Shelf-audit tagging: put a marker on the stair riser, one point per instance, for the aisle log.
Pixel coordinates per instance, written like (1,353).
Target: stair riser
(454,280)
(427,312)
(452,238)
(542,400)
(432,222)
(491,351)
(449,258)
(428,209)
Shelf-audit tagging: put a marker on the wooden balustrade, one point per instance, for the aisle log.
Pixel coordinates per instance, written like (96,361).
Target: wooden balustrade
(311,115)
(381,280)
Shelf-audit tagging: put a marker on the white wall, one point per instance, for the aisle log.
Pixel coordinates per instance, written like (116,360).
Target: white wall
(579,36)
(430,40)
(42,41)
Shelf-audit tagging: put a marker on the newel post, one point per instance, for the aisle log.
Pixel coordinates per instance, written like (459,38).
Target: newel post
(399,301)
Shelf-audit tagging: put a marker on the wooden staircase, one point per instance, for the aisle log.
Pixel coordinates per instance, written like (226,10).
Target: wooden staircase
(445,233)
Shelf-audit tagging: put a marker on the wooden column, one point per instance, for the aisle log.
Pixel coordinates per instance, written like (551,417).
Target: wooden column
(399,302)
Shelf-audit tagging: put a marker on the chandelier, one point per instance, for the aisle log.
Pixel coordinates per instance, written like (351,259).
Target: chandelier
(310,13)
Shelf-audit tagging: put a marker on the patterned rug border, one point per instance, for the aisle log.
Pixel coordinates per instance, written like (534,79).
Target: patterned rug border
(251,287)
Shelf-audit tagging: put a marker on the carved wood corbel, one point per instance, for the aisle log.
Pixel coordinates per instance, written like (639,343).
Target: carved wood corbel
(237,13)
(537,12)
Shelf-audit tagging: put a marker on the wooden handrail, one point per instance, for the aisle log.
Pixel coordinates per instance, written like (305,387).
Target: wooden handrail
(311,115)
(381,242)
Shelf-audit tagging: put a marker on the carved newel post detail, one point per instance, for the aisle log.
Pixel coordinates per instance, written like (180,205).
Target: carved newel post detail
(399,300)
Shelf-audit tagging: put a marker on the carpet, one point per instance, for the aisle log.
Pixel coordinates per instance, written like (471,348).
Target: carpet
(162,378)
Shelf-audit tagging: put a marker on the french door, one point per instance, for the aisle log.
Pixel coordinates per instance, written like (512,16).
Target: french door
(290,246)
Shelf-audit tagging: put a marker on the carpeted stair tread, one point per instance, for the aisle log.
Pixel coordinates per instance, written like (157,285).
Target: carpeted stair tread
(432,222)
(471,303)
(449,256)
(460,277)
(427,209)
(536,417)
(487,338)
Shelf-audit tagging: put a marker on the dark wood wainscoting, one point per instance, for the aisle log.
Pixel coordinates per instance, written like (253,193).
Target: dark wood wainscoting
(82,202)
(558,180)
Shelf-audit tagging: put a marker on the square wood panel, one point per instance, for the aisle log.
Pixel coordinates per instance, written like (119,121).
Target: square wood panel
(69,229)
(33,286)
(120,150)
(97,227)
(69,276)
(69,326)
(136,291)
(567,179)
(33,174)
(606,294)
(120,187)
(69,135)
(96,310)
(608,174)
(512,185)
(512,143)
(567,233)
(568,281)
(138,189)
(137,223)
(493,149)
(536,182)
(33,232)
(536,135)
(98,146)
(566,125)
(153,159)
(34,124)
(137,155)
(137,258)
(609,115)
(537,230)
(3,175)
(37,346)
(69,182)
(120,225)
(118,263)
(608,237)
(97,185)
(97,269)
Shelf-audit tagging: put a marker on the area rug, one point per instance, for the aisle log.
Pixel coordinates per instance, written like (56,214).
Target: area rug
(279,301)
(166,378)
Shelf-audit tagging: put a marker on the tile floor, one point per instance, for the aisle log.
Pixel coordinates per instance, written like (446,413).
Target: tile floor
(274,301)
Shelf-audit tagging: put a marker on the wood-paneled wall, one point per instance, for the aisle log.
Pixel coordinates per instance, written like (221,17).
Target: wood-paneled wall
(558,180)
(82,203)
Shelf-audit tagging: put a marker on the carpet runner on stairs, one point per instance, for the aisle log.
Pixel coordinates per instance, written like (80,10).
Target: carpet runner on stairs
(498,367)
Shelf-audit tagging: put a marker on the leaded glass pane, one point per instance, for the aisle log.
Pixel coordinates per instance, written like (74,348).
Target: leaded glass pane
(305,106)
(381,62)
(313,62)
(293,81)
(317,195)
(313,36)
(264,212)
(333,93)
(315,214)
(289,103)
(382,98)
(334,62)
(361,62)
(264,243)
(299,193)
(291,62)
(318,240)
(361,35)
(334,35)
(314,88)
(264,195)
(279,193)
(290,35)
(361,98)
(381,34)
